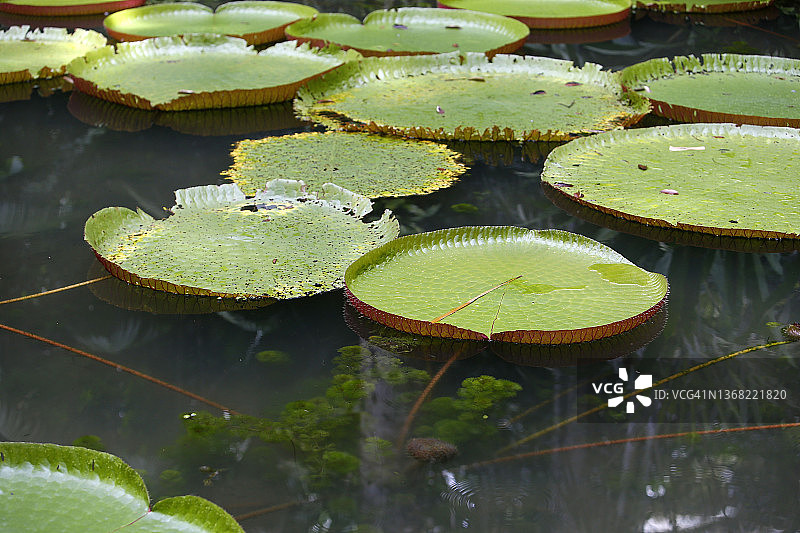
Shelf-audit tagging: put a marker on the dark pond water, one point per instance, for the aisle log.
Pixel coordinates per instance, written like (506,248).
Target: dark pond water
(327,409)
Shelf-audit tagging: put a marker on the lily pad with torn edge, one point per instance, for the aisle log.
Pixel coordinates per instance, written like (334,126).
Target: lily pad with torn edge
(255,21)
(705,181)
(504,283)
(46,487)
(551,14)
(735,88)
(370,165)
(469,97)
(413,30)
(199,71)
(27,54)
(281,243)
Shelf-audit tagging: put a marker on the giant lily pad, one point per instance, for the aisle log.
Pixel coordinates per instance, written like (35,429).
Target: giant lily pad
(255,21)
(199,71)
(66,7)
(370,165)
(704,179)
(27,54)
(703,6)
(721,88)
(45,488)
(504,283)
(551,13)
(413,30)
(469,97)
(282,243)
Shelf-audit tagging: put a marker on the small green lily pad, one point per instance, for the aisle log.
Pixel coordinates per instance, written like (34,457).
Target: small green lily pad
(46,488)
(61,8)
(413,30)
(255,21)
(27,54)
(551,13)
(504,283)
(199,71)
(370,165)
(706,179)
(469,97)
(281,243)
(720,88)
(703,6)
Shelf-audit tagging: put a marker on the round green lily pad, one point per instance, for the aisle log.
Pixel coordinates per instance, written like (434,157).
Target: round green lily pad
(255,21)
(721,88)
(504,283)
(703,6)
(27,54)
(370,165)
(66,7)
(551,13)
(282,243)
(713,179)
(199,71)
(469,97)
(45,488)
(413,30)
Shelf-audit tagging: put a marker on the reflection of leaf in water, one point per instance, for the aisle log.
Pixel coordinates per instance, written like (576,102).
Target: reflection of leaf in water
(126,335)
(14,426)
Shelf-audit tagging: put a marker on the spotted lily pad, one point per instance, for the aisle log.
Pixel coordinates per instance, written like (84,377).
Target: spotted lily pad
(721,88)
(701,179)
(551,13)
(45,488)
(282,243)
(27,54)
(66,7)
(703,6)
(255,21)
(504,283)
(370,165)
(470,97)
(199,71)
(413,30)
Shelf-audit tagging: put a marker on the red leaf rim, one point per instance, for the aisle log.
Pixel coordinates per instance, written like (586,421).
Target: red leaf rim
(570,336)
(554,193)
(701,8)
(76,9)
(601,217)
(200,100)
(591,34)
(409,325)
(161,285)
(560,355)
(563,22)
(321,43)
(259,37)
(692,114)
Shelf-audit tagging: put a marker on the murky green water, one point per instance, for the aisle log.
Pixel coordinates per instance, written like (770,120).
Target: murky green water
(322,453)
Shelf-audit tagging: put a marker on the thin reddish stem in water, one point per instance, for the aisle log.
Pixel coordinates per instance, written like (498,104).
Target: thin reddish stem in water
(45,293)
(550,451)
(423,396)
(119,367)
(741,23)
(265,510)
